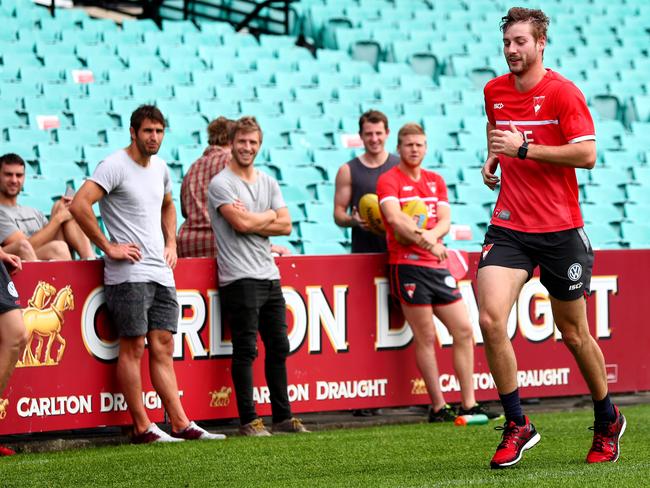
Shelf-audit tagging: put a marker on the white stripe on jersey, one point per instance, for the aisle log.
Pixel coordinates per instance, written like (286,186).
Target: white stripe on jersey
(424,199)
(385,199)
(590,137)
(528,122)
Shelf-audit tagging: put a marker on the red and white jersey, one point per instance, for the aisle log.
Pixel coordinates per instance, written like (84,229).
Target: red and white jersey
(537,196)
(432,190)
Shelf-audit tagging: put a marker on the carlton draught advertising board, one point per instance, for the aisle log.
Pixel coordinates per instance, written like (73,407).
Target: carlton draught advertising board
(350,348)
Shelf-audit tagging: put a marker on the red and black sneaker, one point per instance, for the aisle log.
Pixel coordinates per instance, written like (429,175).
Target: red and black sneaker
(516,439)
(5,451)
(607,436)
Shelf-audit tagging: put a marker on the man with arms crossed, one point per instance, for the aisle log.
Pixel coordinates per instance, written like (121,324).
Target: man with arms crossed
(539,130)
(418,272)
(13,335)
(246,207)
(133,188)
(358,177)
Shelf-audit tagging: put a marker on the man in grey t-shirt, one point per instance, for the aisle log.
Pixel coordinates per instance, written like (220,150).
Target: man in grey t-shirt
(25,231)
(246,207)
(133,189)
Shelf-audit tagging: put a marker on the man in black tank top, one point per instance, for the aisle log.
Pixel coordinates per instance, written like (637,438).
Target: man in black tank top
(358,177)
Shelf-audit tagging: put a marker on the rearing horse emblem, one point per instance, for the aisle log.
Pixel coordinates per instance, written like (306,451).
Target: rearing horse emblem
(43,319)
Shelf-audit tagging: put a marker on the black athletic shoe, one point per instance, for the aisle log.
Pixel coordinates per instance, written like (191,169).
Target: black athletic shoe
(445,414)
(479,409)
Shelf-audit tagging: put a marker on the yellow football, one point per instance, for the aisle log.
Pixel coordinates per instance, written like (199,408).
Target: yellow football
(417,210)
(369,211)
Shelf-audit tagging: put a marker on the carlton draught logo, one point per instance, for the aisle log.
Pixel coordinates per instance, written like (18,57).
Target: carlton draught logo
(43,320)
(4,403)
(220,398)
(418,387)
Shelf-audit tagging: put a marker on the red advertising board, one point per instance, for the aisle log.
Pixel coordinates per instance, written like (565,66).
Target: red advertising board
(349,347)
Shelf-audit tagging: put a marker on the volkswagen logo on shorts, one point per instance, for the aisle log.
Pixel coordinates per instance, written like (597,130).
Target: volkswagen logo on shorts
(575,272)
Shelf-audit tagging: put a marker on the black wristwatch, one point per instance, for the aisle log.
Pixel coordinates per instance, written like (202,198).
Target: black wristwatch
(523,151)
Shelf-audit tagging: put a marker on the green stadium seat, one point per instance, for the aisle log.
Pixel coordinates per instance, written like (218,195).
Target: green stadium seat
(323,248)
(321,232)
(603,235)
(619,159)
(295,194)
(211,109)
(325,192)
(290,157)
(57,159)
(601,213)
(293,79)
(641,107)
(638,194)
(76,136)
(139,26)
(637,212)
(636,235)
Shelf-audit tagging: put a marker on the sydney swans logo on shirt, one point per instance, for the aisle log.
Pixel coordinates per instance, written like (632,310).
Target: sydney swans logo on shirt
(537,103)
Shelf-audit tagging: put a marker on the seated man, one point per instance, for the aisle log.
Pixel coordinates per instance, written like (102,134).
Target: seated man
(25,231)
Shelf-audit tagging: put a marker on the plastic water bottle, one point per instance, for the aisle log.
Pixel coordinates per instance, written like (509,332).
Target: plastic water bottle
(464,420)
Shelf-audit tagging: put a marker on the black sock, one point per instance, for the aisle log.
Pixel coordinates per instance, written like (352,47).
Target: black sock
(604,410)
(512,407)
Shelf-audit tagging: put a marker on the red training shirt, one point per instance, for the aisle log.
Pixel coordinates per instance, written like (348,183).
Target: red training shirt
(537,196)
(431,188)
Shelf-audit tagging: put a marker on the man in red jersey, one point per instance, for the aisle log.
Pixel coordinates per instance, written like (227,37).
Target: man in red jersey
(418,270)
(539,130)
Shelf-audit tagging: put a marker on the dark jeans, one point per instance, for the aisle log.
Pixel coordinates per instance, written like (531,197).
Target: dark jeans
(250,306)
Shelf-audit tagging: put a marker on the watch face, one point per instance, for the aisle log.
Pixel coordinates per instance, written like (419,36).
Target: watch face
(523,151)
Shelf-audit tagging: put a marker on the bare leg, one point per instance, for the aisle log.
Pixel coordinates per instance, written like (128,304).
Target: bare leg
(130,380)
(498,288)
(571,320)
(13,338)
(420,318)
(76,238)
(163,377)
(21,248)
(54,250)
(455,318)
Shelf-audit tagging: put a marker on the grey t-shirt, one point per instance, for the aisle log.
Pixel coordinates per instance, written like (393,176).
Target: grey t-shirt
(131,211)
(28,220)
(243,255)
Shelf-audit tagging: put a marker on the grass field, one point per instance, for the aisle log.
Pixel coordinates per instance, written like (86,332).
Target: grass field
(416,455)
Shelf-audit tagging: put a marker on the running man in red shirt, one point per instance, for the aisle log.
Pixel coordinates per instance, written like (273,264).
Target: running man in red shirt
(539,130)
(418,271)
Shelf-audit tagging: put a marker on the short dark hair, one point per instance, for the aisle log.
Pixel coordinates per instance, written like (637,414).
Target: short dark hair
(245,124)
(11,158)
(219,131)
(143,112)
(538,20)
(408,130)
(374,117)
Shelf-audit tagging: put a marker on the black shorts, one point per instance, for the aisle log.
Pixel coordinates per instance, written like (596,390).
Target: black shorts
(136,308)
(9,299)
(419,285)
(565,258)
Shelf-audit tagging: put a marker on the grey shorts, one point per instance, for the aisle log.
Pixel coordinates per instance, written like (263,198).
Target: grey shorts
(136,308)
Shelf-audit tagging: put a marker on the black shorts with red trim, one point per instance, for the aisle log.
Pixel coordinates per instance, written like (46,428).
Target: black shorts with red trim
(9,299)
(419,285)
(565,258)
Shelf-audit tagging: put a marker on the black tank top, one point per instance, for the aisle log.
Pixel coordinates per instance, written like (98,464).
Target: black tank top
(364,180)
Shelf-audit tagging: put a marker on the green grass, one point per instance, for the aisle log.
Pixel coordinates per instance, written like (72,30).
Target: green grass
(406,456)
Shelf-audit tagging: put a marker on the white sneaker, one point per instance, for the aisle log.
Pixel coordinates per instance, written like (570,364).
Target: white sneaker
(193,432)
(153,434)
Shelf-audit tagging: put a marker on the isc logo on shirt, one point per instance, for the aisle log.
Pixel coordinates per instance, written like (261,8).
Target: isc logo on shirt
(498,105)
